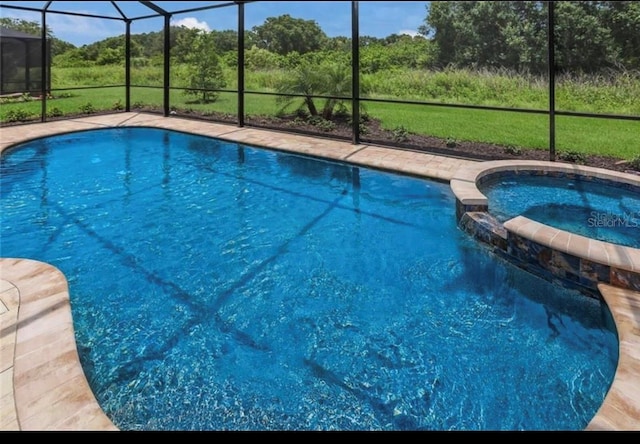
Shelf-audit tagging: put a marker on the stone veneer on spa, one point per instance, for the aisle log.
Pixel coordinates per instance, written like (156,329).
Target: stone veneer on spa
(570,259)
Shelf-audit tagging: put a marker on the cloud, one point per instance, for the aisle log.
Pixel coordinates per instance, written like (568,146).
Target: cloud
(83,30)
(73,29)
(192,23)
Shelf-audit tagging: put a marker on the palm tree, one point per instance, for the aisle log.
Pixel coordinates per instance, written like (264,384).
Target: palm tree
(337,84)
(310,80)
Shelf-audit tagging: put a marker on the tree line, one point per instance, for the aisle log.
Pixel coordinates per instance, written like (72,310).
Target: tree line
(590,36)
(282,42)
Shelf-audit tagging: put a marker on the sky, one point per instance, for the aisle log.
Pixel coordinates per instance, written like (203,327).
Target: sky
(377,18)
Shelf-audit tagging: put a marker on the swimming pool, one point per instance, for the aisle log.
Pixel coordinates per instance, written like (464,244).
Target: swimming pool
(594,208)
(376,320)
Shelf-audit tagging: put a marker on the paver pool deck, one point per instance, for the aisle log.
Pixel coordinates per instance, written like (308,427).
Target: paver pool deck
(42,384)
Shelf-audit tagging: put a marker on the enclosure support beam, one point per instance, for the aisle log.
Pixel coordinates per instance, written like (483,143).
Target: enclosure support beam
(127,65)
(155,8)
(240,64)
(355,73)
(552,80)
(27,68)
(167,53)
(167,63)
(44,69)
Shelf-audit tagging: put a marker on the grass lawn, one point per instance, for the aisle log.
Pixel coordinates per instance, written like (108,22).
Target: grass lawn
(617,138)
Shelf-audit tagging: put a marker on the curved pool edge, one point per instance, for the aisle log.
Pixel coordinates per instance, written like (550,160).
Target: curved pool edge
(620,410)
(48,385)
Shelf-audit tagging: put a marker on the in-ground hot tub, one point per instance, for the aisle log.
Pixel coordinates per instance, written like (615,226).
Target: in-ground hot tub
(571,236)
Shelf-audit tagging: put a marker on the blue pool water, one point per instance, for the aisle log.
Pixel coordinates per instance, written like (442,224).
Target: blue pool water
(216,286)
(590,208)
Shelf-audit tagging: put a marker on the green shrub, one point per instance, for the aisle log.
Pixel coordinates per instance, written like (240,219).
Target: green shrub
(573,157)
(321,123)
(634,163)
(55,112)
(400,134)
(88,108)
(513,150)
(16,115)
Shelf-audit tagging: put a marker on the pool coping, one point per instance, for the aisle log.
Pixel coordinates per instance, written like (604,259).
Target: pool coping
(42,384)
